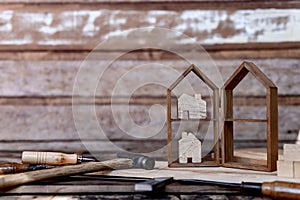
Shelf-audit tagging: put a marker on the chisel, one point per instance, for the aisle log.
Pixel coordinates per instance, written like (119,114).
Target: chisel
(52,158)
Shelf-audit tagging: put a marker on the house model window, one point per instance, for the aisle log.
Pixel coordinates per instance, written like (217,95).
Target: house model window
(190,107)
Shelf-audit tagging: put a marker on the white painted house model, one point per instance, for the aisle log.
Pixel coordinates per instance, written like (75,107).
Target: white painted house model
(190,107)
(189,147)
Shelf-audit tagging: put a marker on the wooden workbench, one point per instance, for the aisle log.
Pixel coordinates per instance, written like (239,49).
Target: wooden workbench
(97,186)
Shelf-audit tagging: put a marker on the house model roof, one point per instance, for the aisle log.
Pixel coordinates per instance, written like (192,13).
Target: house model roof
(242,72)
(196,70)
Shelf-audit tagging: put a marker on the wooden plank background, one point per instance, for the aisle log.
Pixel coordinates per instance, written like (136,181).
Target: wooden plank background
(43,43)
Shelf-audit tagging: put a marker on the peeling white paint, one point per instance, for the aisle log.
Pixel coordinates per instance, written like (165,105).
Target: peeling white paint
(90,28)
(5,20)
(151,20)
(16,42)
(190,40)
(262,25)
(117,33)
(205,26)
(200,20)
(59,42)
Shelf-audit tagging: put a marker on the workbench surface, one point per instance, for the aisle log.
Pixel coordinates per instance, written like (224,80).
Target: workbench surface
(99,186)
(91,188)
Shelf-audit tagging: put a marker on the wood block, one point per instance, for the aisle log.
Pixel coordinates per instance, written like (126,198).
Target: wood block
(296,169)
(291,152)
(298,138)
(189,147)
(191,107)
(285,168)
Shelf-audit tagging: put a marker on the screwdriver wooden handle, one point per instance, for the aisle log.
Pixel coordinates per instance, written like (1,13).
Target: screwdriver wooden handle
(281,190)
(27,177)
(48,158)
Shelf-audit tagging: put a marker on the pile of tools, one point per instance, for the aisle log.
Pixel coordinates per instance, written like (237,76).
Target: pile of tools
(56,164)
(37,166)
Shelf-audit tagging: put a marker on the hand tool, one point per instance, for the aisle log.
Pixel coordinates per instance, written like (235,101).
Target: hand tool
(274,190)
(12,168)
(52,158)
(27,177)
(140,161)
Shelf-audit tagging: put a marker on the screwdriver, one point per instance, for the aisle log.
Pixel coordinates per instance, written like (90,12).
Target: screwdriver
(52,158)
(12,168)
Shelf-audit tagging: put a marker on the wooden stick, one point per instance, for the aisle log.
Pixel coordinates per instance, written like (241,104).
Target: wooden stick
(27,177)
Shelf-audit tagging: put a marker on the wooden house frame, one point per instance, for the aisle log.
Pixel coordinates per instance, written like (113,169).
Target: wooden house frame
(228,159)
(215,118)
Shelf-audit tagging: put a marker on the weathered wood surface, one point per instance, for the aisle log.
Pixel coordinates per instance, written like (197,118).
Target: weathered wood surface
(58,26)
(130,196)
(222,51)
(57,123)
(84,188)
(170,4)
(56,78)
(204,173)
(72,185)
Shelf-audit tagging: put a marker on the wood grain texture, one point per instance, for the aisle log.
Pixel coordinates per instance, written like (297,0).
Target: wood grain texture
(57,123)
(56,26)
(285,168)
(213,135)
(271,120)
(56,78)
(221,51)
(168,4)
(291,152)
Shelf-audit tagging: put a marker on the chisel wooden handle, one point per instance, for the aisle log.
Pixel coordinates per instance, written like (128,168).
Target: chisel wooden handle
(48,158)
(281,190)
(27,177)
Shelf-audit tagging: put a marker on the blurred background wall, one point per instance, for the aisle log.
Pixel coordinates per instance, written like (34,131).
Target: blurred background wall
(43,44)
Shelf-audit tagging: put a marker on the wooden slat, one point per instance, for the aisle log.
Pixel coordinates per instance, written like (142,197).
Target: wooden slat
(237,51)
(56,78)
(245,120)
(63,27)
(136,100)
(169,4)
(57,123)
(100,149)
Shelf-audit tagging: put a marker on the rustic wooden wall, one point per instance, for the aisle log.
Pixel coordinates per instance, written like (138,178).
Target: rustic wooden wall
(43,44)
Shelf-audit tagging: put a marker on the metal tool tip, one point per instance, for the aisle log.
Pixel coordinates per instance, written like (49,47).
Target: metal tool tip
(87,159)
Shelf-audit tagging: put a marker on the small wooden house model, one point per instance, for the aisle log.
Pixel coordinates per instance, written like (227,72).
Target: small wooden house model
(189,148)
(271,121)
(190,107)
